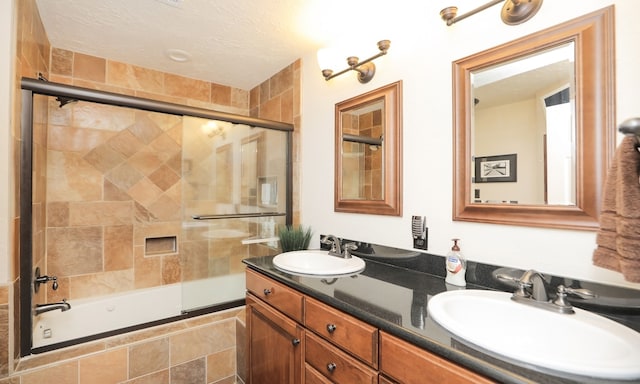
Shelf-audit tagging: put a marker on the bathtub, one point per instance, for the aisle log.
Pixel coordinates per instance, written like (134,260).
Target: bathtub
(94,316)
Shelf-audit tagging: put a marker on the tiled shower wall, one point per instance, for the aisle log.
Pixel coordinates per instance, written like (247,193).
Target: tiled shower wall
(113,180)
(277,98)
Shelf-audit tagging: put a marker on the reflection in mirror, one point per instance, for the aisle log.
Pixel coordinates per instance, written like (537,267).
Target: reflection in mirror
(368,153)
(536,156)
(362,127)
(525,108)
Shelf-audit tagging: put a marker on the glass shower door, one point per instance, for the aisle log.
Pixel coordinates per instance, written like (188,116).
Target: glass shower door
(234,200)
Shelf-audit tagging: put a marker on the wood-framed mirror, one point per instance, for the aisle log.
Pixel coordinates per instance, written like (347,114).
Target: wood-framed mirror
(368,152)
(503,151)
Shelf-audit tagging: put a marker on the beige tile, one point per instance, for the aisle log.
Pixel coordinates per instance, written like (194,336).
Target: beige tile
(134,77)
(144,192)
(125,143)
(220,94)
(145,129)
(4,339)
(74,251)
(104,368)
(165,146)
(165,209)
(124,176)
(100,213)
(192,372)
(161,377)
(70,178)
(286,106)
(270,110)
(64,373)
(143,231)
(146,161)
(89,67)
(171,270)
(239,98)
(254,97)
(148,357)
(164,121)
(180,86)
(70,139)
(221,365)
(102,117)
(104,158)
(58,214)
(61,62)
(147,270)
(118,247)
(164,177)
(202,341)
(113,193)
(99,284)
(281,81)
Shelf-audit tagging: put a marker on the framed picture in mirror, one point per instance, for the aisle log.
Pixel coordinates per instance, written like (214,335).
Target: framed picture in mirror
(496,169)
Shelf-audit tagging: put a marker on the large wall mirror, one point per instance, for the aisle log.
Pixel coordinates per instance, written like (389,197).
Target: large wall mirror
(369,152)
(534,127)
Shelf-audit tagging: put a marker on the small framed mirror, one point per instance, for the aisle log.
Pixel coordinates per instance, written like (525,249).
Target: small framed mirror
(534,127)
(368,152)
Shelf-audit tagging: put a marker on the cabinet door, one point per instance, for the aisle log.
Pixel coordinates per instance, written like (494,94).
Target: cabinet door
(409,364)
(275,346)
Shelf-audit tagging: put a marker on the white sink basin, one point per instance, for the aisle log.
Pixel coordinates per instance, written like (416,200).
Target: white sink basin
(317,262)
(582,343)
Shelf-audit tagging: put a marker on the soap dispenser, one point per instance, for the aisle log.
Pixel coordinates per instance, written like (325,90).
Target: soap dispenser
(456,266)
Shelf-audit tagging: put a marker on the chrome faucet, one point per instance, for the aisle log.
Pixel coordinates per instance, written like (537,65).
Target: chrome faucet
(61,305)
(535,281)
(532,290)
(336,247)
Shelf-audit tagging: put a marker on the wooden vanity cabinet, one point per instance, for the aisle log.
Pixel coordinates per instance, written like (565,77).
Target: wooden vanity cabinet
(293,338)
(275,345)
(408,364)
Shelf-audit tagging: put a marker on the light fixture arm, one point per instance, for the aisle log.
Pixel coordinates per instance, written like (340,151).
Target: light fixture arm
(513,11)
(366,68)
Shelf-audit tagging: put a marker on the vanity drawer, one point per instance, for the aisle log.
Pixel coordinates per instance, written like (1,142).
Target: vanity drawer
(311,376)
(345,331)
(336,365)
(281,297)
(409,364)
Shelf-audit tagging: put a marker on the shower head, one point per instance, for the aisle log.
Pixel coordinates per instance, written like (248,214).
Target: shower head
(65,100)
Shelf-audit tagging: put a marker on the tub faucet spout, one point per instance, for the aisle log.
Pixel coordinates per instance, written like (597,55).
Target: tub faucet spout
(61,305)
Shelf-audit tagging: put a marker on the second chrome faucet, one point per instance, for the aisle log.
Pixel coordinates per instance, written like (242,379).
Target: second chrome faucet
(532,290)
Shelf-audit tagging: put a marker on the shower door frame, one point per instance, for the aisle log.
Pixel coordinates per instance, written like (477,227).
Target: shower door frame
(31,87)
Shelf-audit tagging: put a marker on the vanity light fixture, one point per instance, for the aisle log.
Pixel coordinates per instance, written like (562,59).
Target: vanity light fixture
(366,68)
(513,12)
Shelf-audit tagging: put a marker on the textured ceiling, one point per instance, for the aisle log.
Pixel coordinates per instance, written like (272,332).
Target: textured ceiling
(239,43)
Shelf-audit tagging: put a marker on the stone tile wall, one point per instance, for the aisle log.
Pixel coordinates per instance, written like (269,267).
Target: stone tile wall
(277,98)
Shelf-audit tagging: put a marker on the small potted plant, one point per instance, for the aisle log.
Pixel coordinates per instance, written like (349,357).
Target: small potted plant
(294,238)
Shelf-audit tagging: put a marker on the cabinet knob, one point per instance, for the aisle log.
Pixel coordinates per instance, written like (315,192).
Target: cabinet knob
(331,367)
(267,291)
(331,328)
(295,342)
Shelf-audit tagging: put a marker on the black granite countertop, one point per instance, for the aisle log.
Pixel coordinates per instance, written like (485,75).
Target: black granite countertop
(393,291)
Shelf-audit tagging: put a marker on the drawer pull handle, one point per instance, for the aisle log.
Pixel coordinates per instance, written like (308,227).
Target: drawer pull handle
(331,328)
(295,342)
(267,291)
(331,367)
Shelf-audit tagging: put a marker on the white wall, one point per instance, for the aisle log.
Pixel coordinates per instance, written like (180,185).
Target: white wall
(422,49)
(7,54)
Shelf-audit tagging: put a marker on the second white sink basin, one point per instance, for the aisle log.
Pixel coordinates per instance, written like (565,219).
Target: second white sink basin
(582,343)
(317,262)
